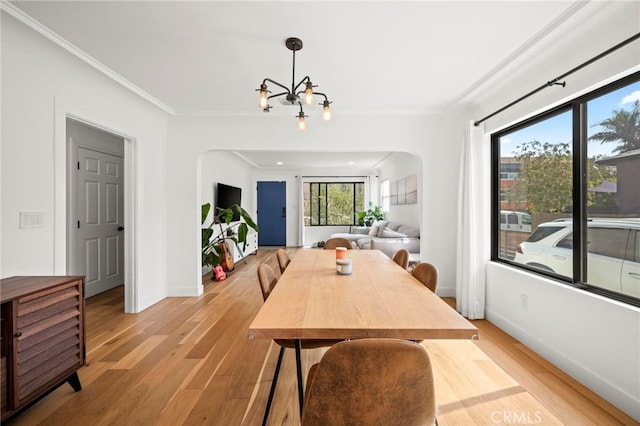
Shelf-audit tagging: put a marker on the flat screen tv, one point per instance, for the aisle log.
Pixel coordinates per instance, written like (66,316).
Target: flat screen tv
(227,196)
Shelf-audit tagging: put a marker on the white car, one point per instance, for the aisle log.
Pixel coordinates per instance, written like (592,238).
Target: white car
(515,221)
(613,246)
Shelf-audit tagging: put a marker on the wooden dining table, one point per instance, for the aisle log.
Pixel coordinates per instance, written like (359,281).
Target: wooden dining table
(379,299)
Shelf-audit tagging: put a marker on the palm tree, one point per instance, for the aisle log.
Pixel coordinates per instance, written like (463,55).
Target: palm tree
(623,127)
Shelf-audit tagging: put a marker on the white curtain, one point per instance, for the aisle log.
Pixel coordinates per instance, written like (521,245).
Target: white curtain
(471,255)
(300,211)
(372,190)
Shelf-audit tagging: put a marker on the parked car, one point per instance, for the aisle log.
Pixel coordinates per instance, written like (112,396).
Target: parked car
(613,245)
(515,221)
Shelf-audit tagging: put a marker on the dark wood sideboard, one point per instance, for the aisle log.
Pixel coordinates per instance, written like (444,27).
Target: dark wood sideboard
(42,344)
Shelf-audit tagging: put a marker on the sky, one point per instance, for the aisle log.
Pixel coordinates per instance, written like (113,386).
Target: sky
(558,129)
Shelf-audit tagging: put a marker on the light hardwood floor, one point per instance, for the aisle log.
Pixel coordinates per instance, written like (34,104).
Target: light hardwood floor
(188,361)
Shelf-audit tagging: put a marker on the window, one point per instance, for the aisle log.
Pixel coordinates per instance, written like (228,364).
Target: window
(332,203)
(384,195)
(573,171)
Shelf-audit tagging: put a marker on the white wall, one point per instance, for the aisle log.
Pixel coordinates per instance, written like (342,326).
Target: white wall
(42,84)
(226,167)
(596,340)
(400,165)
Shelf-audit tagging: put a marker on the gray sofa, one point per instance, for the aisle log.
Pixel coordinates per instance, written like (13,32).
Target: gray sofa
(385,236)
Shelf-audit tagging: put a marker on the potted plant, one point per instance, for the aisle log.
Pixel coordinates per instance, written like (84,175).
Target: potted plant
(214,249)
(373,213)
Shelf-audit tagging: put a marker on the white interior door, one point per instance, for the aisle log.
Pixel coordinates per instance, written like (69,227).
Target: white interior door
(100,220)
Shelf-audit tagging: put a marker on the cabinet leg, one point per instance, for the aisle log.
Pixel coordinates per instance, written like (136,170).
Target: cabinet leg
(74,381)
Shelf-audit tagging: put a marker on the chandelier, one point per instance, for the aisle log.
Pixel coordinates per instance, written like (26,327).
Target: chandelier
(293,96)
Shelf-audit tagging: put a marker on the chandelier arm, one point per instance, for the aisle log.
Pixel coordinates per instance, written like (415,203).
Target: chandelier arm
(304,80)
(277,84)
(278,94)
(321,94)
(302,114)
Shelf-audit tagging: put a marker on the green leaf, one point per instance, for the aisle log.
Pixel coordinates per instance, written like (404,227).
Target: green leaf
(247,218)
(205,212)
(243,230)
(206,236)
(225,215)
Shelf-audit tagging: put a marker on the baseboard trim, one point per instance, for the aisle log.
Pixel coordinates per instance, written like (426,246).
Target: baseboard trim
(605,389)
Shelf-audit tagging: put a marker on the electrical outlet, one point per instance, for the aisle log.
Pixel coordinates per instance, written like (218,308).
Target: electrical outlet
(524,300)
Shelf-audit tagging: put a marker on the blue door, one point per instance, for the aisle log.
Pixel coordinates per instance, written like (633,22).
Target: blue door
(272,213)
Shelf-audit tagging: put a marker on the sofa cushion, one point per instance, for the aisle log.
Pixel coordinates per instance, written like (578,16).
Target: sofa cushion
(363,230)
(381,225)
(410,231)
(390,246)
(388,233)
(350,237)
(394,226)
(364,243)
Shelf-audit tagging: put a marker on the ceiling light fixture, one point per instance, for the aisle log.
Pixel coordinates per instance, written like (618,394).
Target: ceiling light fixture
(292,95)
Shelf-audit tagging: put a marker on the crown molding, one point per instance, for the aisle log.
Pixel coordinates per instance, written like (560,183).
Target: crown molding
(343,113)
(74,50)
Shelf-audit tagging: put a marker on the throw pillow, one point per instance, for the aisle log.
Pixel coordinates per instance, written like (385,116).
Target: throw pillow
(411,231)
(373,232)
(381,225)
(388,233)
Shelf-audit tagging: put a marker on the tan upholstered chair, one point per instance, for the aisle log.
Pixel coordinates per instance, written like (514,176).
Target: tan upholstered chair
(427,274)
(401,257)
(283,259)
(332,243)
(268,280)
(371,382)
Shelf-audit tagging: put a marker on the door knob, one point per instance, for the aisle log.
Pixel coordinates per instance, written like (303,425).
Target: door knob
(120,228)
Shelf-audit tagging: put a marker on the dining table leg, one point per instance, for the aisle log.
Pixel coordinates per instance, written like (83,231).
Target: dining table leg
(299,369)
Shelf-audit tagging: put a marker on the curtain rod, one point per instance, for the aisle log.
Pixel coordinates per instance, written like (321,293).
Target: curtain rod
(556,81)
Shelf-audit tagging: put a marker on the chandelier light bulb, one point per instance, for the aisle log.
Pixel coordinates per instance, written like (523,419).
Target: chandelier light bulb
(262,99)
(326,112)
(308,93)
(302,124)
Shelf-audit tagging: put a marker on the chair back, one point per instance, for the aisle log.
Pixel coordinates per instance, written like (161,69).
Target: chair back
(283,259)
(267,279)
(371,382)
(427,274)
(401,257)
(332,243)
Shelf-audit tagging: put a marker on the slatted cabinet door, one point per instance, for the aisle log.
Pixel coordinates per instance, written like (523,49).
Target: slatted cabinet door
(47,339)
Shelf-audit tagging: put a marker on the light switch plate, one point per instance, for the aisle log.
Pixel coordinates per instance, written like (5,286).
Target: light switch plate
(31,220)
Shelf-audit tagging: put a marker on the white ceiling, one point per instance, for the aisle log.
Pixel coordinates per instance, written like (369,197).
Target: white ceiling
(314,160)
(369,57)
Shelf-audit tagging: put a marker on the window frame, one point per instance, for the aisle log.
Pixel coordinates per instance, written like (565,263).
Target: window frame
(324,208)
(579,166)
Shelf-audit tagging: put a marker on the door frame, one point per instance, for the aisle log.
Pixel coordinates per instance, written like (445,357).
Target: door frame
(130,236)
